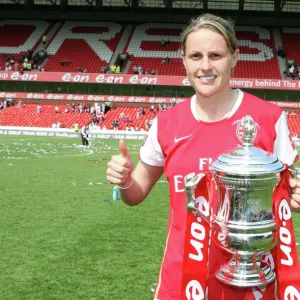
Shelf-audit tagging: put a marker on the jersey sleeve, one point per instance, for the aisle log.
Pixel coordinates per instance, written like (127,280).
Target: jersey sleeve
(151,152)
(284,147)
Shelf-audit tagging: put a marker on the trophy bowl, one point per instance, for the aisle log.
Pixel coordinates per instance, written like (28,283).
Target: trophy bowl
(244,224)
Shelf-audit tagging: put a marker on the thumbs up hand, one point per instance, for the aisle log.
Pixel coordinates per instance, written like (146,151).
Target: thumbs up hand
(120,167)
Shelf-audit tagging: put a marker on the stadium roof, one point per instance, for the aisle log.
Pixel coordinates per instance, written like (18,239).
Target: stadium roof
(276,12)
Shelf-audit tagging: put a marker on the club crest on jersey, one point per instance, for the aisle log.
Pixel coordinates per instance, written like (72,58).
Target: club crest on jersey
(240,130)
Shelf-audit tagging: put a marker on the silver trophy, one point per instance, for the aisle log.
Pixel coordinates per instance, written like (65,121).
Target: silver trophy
(244,223)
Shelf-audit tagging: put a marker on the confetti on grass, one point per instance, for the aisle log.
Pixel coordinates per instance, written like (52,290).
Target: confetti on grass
(23,149)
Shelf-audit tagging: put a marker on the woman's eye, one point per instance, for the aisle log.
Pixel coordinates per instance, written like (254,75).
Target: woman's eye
(215,55)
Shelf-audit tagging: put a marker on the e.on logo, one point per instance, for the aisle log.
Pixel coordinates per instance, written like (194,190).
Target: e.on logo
(285,214)
(25,76)
(194,291)
(186,81)
(75,78)
(198,231)
(135,79)
(291,293)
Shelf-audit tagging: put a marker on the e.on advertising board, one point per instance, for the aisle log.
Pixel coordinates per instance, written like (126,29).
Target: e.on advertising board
(142,80)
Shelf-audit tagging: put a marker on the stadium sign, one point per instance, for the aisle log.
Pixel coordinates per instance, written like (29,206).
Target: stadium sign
(65,132)
(141,79)
(45,132)
(287,104)
(82,97)
(37,133)
(110,98)
(119,135)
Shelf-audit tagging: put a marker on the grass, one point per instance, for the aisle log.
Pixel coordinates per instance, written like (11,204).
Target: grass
(62,236)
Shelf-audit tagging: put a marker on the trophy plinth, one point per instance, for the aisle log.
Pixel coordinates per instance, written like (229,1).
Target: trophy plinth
(242,273)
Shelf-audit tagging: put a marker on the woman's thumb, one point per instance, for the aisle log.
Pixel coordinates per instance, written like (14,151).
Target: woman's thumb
(123,149)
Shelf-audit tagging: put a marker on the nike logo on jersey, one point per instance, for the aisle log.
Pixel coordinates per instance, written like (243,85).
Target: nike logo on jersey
(182,138)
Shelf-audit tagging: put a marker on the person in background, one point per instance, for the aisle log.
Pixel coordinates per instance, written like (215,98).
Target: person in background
(44,40)
(186,138)
(84,135)
(76,127)
(152,109)
(115,124)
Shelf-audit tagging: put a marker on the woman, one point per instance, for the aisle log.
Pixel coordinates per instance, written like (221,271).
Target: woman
(188,137)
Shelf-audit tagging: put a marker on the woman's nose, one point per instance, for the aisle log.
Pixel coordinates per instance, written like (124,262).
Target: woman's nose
(205,63)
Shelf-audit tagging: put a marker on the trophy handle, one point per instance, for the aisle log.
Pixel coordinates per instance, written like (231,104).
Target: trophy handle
(190,183)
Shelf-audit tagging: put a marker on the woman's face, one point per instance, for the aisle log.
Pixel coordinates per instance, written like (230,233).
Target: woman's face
(208,62)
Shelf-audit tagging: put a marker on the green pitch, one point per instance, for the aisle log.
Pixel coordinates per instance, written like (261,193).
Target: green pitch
(62,237)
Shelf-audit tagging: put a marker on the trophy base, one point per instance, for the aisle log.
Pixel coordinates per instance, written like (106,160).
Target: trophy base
(245,276)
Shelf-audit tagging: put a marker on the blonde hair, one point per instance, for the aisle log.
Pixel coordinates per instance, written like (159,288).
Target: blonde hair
(213,23)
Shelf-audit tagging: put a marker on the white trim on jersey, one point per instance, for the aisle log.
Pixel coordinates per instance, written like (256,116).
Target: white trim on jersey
(283,147)
(234,109)
(151,152)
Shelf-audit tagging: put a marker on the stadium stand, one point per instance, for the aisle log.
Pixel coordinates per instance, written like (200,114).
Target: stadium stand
(256,58)
(18,37)
(294,123)
(291,41)
(130,112)
(145,48)
(255,43)
(83,44)
(91,45)
(28,116)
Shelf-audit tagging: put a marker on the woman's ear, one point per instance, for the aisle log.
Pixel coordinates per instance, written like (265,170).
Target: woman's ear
(235,58)
(182,56)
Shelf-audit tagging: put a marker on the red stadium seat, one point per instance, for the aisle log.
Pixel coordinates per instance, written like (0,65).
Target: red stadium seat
(291,41)
(89,45)
(28,116)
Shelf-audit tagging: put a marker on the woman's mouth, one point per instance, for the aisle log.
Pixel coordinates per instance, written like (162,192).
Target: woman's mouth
(207,79)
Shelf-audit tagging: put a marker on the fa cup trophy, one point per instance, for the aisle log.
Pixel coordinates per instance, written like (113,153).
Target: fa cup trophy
(244,224)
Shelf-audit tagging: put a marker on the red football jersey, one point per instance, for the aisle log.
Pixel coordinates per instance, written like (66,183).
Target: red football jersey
(183,144)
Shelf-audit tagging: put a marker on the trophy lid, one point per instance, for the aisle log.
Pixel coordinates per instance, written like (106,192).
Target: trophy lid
(246,159)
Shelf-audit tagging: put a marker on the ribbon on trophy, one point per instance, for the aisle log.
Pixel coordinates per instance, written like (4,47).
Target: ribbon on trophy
(196,244)
(287,266)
